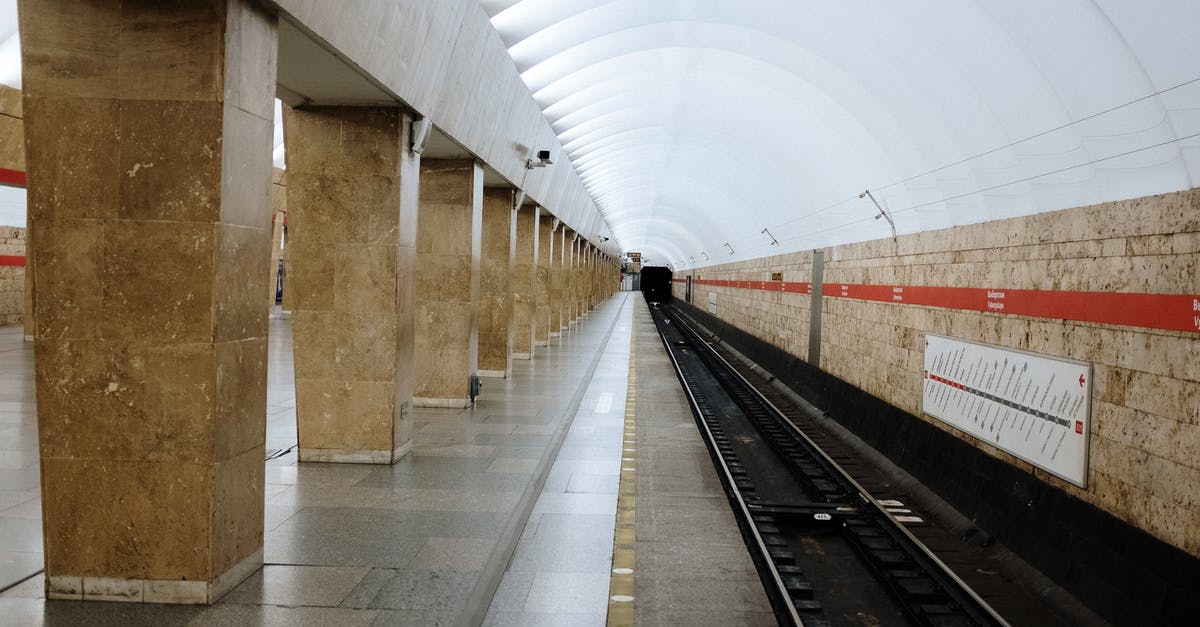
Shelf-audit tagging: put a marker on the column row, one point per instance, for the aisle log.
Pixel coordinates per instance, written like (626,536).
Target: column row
(150,182)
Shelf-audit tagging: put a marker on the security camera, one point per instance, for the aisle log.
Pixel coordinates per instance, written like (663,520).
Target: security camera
(543,160)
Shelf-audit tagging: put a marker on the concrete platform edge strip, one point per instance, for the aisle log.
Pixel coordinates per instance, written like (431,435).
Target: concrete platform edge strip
(621,584)
(522,356)
(481,595)
(493,374)
(152,590)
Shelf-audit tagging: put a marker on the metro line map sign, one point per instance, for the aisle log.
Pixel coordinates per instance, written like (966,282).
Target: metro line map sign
(1035,407)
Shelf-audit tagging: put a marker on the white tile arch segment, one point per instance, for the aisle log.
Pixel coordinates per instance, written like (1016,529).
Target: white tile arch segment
(1039,103)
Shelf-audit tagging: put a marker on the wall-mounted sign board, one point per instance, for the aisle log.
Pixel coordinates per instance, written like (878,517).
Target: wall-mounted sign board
(1036,407)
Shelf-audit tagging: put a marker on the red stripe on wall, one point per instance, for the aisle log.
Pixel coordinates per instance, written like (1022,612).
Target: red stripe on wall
(12,260)
(1175,312)
(790,287)
(12,178)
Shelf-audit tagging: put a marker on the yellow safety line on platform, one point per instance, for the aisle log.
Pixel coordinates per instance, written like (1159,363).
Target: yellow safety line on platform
(620,587)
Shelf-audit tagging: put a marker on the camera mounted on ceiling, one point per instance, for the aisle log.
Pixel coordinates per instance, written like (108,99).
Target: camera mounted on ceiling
(543,160)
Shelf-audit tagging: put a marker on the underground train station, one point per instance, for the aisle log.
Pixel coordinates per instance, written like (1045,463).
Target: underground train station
(599,313)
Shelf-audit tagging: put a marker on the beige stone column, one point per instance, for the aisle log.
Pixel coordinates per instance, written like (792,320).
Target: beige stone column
(569,288)
(580,272)
(148,133)
(449,240)
(352,209)
(591,279)
(557,281)
(610,277)
(496,294)
(541,284)
(523,297)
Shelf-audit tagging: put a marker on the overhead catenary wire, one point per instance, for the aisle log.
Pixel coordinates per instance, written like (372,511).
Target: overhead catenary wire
(1040,134)
(981,190)
(1001,185)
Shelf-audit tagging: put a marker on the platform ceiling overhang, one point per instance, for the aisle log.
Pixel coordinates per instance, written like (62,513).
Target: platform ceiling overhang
(695,124)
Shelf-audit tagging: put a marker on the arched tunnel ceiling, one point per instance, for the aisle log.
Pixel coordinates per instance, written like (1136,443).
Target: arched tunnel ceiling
(700,123)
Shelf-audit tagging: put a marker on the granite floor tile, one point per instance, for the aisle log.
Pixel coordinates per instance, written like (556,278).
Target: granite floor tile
(582,593)
(593,484)
(571,503)
(278,584)
(415,618)
(440,590)
(454,554)
(276,616)
(21,535)
(543,619)
(512,593)
(384,549)
(570,528)
(514,466)
(593,555)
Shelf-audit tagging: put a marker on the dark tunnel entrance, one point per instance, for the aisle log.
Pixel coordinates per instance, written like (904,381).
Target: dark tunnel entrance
(656,284)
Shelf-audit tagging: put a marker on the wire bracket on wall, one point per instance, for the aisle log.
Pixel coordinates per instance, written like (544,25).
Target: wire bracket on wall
(882,212)
(729,247)
(774,242)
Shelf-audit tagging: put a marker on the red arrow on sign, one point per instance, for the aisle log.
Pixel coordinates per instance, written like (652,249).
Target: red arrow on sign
(1081,380)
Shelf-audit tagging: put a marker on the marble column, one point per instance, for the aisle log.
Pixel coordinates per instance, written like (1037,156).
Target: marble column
(449,240)
(590,278)
(352,213)
(541,284)
(569,298)
(557,280)
(497,268)
(148,131)
(523,294)
(580,272)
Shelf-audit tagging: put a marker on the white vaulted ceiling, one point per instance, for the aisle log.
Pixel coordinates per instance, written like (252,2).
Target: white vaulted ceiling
(699,123)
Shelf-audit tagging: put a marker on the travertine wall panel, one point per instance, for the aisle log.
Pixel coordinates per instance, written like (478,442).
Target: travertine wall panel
(1145,428)
(449,242)
(496,295)
(12,277)
(12,130)
(523,278)
(351,243)
(541,280)
(557,281)
(149,134)
(15,295)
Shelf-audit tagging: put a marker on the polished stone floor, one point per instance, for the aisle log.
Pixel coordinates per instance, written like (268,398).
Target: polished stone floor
(502,515)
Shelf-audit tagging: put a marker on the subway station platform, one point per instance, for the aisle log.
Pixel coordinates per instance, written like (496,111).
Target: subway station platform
(503,514)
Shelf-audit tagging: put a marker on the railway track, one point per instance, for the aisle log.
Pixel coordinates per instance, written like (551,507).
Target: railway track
(828,551)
